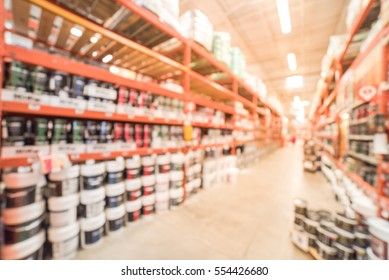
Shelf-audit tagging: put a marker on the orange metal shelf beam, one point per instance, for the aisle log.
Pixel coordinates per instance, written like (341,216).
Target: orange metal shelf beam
(46,110)
(205,102)
(209,125)
(355,27)
(22,161)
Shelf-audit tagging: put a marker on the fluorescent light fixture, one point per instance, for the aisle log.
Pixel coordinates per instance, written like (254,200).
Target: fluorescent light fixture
(295,81)
(292,63)
(345,116)
(283,14)
(95,38)
(76,32)
(306,103)
(107,58)
(114,70)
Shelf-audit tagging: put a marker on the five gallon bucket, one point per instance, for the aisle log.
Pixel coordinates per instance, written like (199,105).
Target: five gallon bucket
(64,241)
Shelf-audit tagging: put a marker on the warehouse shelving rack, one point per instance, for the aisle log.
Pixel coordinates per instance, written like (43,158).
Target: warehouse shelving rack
(377,50)
(141,59)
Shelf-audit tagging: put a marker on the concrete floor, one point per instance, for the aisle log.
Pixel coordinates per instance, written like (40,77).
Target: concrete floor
(247,220)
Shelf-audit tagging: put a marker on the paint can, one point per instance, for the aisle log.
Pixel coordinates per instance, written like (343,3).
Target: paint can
(92,202)
(134,168)
(64,241)
(63,210)
(29,249)
(148,165)
(115,171)
(163,164)
(326,252)
(326,235)
(134,209)
(379,230)
(176,197)
(345,223)
(114,195)
(148,205)
(115,219)
(345,238)
(64,182)
(344,253)
(23,186)
(148,185)
(92,231)
(24,222)
(162,201)
(133,189)
(92,175)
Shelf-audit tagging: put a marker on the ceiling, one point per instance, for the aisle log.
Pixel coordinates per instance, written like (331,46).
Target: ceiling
(255,28)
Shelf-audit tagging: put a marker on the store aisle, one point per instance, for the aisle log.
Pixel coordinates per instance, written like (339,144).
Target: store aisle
(247,220)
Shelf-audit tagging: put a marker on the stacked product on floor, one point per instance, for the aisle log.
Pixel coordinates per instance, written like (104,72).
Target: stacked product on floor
(247,155)
(219,167)
(63,200)
(312,156)
(177,191)
(331,236)
(193,172)
(24,213)
(114,192)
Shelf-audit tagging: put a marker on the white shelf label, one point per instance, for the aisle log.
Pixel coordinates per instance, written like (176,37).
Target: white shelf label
(102,148)
(99,106)
(25,151)
(25,97)
(64,102)
(68,148)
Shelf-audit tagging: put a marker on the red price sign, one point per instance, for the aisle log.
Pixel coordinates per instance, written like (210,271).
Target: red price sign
(367,93)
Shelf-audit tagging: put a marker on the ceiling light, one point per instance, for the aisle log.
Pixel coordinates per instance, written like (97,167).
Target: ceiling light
(345,116)
(295,81)
(292,63)
(95,38)
(95,53)
(107,58)
(283,14)
(76,32)
(114,70)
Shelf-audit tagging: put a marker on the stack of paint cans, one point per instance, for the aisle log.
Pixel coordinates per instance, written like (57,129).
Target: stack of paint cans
(334,237)
(18,76)
(193,172)
(92,203)
(63,199)
(114,191)
(177,192)
(148,186)
(162,194)
(22,131)
(24,214)
(133,189)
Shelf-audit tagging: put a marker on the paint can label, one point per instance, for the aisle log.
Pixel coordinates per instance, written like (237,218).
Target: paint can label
(114,177)
(62,249)
(147,190)
(115,225)
(148,209)
(93,236)
(134,215)
(133,195)
(63,188)
(114,201)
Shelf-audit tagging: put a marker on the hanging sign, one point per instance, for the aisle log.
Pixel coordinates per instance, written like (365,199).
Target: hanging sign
(367,93)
